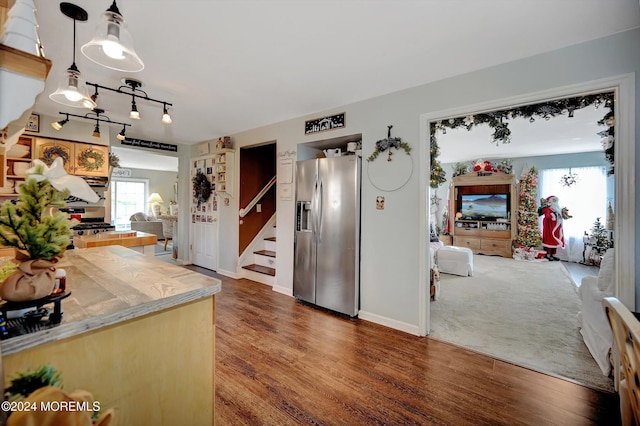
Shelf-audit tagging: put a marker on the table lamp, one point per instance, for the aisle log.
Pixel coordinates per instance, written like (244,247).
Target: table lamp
(154,200)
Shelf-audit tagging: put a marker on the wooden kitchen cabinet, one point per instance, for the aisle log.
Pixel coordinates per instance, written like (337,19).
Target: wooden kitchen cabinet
(79,158)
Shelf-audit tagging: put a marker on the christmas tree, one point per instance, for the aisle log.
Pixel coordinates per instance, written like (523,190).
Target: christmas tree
(599,237)
(528,230)
(30,226)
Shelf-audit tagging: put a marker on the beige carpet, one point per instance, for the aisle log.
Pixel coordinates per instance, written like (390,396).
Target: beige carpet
(521,312)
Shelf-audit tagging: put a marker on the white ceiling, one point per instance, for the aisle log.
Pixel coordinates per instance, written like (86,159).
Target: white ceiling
(229,66)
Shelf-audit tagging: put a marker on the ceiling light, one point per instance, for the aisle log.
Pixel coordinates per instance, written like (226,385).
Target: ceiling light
(134,114)
(112,46)
(72,90)
(95,115)
(132,87)
(120,135)
(166,118)
(58,124)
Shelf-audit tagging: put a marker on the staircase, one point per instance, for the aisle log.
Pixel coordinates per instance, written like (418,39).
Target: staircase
(260,257)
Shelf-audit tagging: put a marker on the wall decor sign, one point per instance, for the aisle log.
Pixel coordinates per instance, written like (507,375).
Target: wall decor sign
(33,124)
(150,144)
(331,122)
(118,172)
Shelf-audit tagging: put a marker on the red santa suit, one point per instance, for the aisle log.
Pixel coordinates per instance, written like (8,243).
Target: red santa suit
(552,234)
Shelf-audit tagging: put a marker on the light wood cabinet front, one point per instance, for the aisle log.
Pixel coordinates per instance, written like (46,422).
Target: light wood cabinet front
(48,150)
(79,158)
(471,243)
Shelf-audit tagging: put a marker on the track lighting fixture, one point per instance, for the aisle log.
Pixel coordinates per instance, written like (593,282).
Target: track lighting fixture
(58,124)
(132,87)
(112,46)
(72,90)
(96,115)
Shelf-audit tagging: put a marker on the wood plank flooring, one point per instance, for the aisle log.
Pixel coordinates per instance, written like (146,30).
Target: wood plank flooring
(281,362)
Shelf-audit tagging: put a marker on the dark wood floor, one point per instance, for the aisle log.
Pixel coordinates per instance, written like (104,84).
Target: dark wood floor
(280,362)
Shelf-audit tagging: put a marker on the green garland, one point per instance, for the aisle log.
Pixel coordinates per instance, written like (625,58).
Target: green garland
(51,153)
(201,188)
(543,110)
(90,159)
(388,143)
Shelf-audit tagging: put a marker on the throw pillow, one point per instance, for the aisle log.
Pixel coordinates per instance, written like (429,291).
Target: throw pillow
(605,276)
(139,217)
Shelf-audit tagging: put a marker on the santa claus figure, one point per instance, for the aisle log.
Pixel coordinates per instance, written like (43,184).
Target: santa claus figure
(552,234)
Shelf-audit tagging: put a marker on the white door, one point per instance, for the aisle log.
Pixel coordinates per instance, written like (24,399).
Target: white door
(204,216)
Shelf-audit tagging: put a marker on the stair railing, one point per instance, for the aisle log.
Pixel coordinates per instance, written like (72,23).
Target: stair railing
(245,211)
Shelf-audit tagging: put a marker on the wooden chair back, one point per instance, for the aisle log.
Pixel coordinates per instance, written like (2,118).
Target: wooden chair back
(626,333)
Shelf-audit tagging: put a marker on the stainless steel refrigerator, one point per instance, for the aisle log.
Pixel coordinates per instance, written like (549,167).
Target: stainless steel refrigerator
(327,237)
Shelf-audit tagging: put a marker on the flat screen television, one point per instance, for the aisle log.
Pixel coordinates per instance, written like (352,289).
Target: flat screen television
(484,206)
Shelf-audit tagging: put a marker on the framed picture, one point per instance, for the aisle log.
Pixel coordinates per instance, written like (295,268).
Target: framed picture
(33,123)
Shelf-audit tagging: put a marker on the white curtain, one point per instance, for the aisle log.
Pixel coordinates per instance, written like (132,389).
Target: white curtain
(586,201)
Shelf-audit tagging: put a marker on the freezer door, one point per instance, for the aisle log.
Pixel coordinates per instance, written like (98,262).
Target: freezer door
(304,260)
(337,278)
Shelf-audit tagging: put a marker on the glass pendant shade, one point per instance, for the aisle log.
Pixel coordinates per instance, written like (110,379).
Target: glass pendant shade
(120,136)
(112,46)
(72,90)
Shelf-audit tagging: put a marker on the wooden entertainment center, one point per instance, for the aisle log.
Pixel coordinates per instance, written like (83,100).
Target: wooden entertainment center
(483,235)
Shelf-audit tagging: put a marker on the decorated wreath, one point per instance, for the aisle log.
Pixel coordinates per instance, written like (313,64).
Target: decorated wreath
(388,143)
(90,159)
(201,187)
(52,152)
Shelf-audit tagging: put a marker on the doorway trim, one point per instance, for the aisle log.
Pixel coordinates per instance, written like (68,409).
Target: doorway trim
(624,93)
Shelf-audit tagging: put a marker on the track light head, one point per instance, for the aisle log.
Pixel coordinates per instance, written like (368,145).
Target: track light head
(134,114)
(96,130)
(58,124)
(120,135)
(166,118)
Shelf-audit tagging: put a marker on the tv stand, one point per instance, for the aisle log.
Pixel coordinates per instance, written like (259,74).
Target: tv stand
(484,236)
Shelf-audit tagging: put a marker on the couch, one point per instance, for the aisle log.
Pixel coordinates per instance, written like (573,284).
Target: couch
(145,223)
(594,325)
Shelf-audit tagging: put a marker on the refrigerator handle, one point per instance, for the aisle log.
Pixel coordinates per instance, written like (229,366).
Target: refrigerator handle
(314,211)
(320,210)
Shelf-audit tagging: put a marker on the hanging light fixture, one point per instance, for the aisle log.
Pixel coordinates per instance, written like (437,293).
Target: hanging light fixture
(132,87)
(95,115)
(112,46)
(72,90)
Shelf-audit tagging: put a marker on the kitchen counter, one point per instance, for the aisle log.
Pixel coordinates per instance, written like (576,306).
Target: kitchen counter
(140,241)
(137,332)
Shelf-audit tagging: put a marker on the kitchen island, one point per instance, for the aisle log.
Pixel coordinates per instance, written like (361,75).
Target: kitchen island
(142,242)
(136,332)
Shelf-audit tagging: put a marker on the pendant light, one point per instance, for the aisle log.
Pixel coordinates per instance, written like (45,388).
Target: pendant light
(72,89)
(166,118)
(112,46)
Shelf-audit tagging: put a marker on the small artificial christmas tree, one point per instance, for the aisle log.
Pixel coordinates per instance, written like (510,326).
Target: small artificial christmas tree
(528,230)
(599,237)
(29,226)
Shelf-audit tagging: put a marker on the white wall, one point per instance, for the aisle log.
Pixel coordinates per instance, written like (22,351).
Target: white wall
(390,238)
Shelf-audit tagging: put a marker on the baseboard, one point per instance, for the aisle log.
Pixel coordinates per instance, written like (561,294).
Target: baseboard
(283,290)
(228,273)
(183,262)
(388,322)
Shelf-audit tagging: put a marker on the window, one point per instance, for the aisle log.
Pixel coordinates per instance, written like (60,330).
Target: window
(128,196)
(586,201)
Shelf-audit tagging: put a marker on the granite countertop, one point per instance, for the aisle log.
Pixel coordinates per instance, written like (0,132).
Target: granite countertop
(113,284)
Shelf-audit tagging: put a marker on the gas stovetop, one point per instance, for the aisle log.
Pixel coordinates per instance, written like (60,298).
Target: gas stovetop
(93,223)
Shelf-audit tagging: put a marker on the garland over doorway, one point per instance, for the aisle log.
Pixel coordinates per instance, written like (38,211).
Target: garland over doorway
(498,120)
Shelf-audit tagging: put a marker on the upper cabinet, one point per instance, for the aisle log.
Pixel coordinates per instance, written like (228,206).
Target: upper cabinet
(78,158)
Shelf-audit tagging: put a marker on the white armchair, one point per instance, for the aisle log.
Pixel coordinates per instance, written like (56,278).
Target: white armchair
(594,325)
